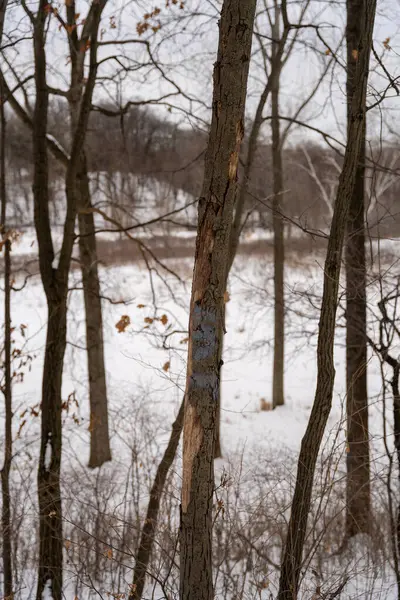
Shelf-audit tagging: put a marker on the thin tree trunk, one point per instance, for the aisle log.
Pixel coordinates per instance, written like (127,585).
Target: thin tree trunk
(100,451)
(99,432)
(206,320)
(358,500)
(292,557)
(382,349)
(396,420)
(5,472)
(150,523)
(7,390)
(279,249)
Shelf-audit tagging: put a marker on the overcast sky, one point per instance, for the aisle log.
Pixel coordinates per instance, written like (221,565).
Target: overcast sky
(185,49)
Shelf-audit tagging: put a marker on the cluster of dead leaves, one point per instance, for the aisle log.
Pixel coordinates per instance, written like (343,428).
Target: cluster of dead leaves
(125,320)
(149,22)
(149,19)
(123,323)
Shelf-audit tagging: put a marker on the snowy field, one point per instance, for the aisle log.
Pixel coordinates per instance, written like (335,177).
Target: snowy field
(103,509)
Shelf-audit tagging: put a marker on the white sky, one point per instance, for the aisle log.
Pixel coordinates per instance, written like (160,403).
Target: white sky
(186,45)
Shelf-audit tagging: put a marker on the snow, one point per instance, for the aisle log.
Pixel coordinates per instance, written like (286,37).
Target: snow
(48,454)
(47,593)
(259,448)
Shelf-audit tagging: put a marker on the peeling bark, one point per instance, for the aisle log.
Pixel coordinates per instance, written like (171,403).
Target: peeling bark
(206,321)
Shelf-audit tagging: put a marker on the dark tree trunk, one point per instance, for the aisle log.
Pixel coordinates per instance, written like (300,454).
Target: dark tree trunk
(358,505)
(51,544)
(242,196)
(99,432)
(279,249)
(5,472)
(50,529)
(7,389)
(55,283)
(396,420)
(100,451)
(292,557)
(206,320)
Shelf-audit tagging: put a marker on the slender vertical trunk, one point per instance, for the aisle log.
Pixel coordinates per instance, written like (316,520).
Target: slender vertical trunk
(292,557)
(358,504)
(5,472)
(99,432)
(279,250)
(7,390)
(100,451)
(206,321)
(396,420)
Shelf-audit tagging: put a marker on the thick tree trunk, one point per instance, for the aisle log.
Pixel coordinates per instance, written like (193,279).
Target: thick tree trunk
(358,505)
(150,523)
(206,320)
(50,515)
(100,451)
(279,249)
(292,557)
(243,192)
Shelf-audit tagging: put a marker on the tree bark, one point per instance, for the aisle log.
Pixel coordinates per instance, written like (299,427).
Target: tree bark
(206,321)
(100,451)
(50,529)
(7,387)
(279,248)
(55,283)
(292,557)
(358,500)
(243,192)
(99,432)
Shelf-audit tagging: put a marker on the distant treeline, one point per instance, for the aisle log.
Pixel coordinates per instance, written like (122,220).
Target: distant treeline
(145,145)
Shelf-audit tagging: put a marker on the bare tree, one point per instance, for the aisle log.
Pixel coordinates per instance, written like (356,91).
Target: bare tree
(99,433)
(206,321)
(278,397)
(100,451)
(292,557)
(358,504)
(7,390)
(55,283)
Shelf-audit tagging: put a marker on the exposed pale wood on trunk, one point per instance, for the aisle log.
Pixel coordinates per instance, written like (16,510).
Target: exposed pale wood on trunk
(206,321)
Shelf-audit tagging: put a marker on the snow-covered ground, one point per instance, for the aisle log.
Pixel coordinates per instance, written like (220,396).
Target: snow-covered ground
(259,447)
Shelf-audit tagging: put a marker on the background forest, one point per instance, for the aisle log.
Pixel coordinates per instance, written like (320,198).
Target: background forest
(200,344)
